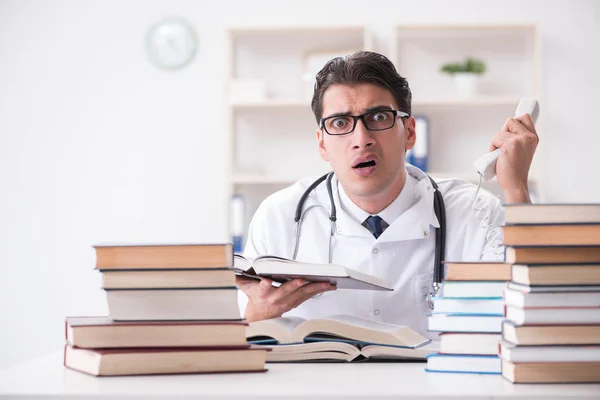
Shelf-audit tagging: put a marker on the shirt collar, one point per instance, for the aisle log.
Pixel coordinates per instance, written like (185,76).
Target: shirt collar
(403,202)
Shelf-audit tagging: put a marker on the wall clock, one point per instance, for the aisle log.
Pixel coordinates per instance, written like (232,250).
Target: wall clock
(171,44)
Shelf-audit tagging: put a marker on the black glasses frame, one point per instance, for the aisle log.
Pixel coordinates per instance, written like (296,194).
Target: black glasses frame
(397,114)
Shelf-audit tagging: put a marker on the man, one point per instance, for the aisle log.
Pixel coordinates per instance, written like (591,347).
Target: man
(385,209)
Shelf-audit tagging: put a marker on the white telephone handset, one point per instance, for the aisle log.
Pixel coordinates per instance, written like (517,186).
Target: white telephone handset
(486,164)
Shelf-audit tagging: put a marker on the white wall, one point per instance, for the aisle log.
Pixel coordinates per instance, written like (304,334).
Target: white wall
(97,145)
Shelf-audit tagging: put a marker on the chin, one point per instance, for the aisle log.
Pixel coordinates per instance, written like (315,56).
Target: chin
(368,187)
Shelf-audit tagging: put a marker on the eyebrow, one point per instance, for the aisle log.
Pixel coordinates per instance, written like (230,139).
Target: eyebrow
(368,110)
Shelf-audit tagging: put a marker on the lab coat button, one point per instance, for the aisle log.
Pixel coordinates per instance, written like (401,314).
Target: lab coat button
(425,233)
(376,312)
(375,250)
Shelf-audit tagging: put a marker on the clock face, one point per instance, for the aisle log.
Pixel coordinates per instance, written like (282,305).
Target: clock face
(171,44)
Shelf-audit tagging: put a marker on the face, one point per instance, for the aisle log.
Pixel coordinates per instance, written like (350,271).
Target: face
(368,164)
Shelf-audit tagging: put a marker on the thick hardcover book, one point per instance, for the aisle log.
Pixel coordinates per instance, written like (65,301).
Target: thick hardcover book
(163,256)
(102,332)
(281,270)
(117,362)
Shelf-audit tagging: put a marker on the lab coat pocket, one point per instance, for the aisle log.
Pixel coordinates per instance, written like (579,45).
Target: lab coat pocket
(422,287)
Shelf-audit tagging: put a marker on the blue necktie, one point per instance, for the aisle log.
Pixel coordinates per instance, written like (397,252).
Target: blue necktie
(374,222)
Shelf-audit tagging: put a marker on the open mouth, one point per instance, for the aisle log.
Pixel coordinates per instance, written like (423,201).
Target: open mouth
(365,164)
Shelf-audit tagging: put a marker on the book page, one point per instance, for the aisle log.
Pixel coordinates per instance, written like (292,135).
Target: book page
(280,329)
(357,330)
(365,323)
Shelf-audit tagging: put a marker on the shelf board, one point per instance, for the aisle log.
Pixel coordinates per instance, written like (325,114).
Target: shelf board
(469,102)
(256,179)
(305,103)
(251,179)
(271,103)
(295,30)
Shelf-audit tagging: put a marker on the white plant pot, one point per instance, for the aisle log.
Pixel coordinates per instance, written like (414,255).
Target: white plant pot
(466,84)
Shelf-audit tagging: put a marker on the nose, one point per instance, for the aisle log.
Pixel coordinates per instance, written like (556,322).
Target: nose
(362,137)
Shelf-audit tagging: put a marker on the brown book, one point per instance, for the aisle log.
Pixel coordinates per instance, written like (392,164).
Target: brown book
(552,235)
(164,256)
(161,279)
(118,362)
(552,254)
(551,372)
(550,334)
(555,274)
(173,304)
(102,332)
(557,213)
(476,271)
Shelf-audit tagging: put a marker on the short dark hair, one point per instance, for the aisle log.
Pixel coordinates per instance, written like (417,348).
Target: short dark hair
(361,67)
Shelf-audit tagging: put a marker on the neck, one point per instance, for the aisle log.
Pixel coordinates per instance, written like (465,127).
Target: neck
(376,203)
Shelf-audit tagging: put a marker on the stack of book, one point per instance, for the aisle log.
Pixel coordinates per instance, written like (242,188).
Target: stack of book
(173,309)
(552,304)
(469,315)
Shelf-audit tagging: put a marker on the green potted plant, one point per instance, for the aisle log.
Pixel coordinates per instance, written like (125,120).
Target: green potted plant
(465,74)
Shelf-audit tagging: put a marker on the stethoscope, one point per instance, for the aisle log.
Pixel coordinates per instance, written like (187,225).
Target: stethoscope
(440,233)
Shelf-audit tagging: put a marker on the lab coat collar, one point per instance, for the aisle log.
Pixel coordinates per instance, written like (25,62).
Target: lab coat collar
(402,203)
(414,223)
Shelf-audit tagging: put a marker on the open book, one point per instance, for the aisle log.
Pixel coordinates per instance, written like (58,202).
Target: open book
(281,270)
(339,337)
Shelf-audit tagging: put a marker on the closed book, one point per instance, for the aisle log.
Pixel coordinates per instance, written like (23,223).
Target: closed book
(170,278)
(550,334)
(481,305)
(552,288)
(550,298)
(476,271)
(553,255)
(463,363)
(163,256)
(469,343)
(465,323)
(102,332)
(555,315)
(519,354)
(551,235)
(551,372)
(556,274)
(152,361)
(173,304)
(463,289)
(557,213)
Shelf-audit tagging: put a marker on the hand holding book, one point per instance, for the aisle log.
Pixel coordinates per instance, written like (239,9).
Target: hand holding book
(266,301)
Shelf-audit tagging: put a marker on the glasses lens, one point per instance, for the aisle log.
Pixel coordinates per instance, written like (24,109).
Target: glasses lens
(339,125)
(380,120)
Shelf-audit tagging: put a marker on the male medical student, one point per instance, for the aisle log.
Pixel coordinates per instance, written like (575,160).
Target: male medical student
(385,209)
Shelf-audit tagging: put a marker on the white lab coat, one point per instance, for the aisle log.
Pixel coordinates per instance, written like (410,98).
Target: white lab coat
(402,256)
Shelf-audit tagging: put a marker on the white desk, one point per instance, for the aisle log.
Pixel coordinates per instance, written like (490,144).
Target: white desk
(46,377)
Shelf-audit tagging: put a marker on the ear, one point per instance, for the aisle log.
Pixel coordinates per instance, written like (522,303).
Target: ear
(411,133)
(321,142)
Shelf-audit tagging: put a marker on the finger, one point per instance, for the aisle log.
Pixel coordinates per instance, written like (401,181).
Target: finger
(290,286)
(296,302)
(310,289)
(245,283)
(499,139)
(526,121)
(265,287)
(514,125)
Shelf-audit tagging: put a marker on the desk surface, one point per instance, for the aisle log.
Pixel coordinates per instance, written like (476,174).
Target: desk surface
(46,376)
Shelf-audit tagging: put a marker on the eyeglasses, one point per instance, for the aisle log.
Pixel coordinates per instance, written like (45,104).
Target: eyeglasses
(378,120)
